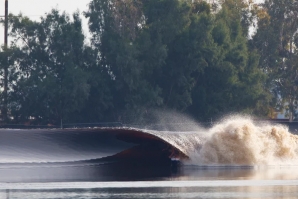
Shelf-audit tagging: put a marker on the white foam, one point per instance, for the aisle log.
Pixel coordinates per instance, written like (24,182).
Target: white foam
(236,141)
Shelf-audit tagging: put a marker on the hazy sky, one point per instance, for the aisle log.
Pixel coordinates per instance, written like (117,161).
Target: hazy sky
(35,8)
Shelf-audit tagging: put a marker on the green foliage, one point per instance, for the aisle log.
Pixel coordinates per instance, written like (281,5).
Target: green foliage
(143,55)
(275,41)
(232,81)
(53,83)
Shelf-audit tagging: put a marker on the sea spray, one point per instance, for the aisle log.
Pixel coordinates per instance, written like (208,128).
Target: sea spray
(186,142)
(242,141)
(233,141)
(236,141)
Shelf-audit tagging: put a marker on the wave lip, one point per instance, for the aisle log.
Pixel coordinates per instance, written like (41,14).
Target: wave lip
(234,141)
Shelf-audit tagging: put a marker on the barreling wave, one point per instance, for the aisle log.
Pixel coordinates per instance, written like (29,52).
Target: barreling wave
(235,141)
(238,141)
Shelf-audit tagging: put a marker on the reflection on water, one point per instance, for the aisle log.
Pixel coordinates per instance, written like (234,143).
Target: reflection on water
(88,182)
(238,173)
(247,192)
(250,192)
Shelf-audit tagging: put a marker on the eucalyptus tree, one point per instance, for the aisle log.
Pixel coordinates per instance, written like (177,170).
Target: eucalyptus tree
(169,50)
(53,83)
(8,60)
(276,43)
(232,81)
(116,27)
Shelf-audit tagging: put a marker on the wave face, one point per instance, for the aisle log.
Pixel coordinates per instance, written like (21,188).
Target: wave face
(56,145)
(234,141)
(238,141)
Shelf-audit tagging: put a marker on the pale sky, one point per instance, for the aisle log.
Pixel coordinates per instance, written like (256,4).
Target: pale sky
(35,8)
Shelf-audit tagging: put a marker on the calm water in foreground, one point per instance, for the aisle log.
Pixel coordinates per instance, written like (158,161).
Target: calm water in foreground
(92,182)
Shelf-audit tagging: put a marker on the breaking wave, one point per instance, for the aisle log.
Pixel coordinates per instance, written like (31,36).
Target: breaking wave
(242,141)
(234,141)
(238,141)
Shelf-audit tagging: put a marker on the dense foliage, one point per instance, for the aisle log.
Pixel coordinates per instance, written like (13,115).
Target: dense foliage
(182,55)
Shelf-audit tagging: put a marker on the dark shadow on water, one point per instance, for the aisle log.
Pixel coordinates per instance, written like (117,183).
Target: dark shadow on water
(96,170)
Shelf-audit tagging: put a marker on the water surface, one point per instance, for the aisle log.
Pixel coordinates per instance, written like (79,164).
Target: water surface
(233,159)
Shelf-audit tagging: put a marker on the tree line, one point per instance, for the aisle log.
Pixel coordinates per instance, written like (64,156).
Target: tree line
(202,59)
